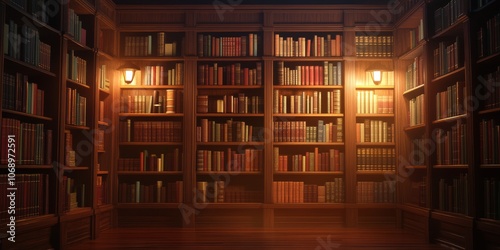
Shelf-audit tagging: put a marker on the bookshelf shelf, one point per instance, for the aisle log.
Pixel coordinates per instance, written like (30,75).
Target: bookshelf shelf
(307,115)
(448,75)
(414,91)
(36,22)
(150,115)
(376,205)
(230,143)
(75,45)
(319,144)
(101,123)
(22,114)
(104,55)
(451,166)
(370,144)
(229,172)
(22,166)
(76,127)
(79,84)
(34,69)
(299,173)
(450,119)
(308,205)
(375,115)
(219,87)
(148,205)
(153,58)
(79,168)
(46,220)
(414,52)
(144,144)
(149,172)
(152,86)
(287,87)
(454,218)
(416,167)
(230,205)
(489,166)
(228,115)
(102,172)
(76,213)
(415,128)
(104,91)
(489,111)
(488,59)
(375,172)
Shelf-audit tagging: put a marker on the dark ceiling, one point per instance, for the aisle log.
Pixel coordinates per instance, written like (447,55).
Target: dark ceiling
(249,2)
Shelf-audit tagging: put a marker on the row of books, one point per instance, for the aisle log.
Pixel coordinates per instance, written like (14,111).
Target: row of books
(32,196)
(234,104)
(488,37)
(299,192)
(239,160)
(376,159)
(100,140)
(453,194)
(231,74)
(229,131)
(374,46)
(307,102)
(448,14)
(170,160)
(375,101)
(102,77)
(75,28)
(228,46)
(370,130)
(74,194)
(417,34)
(416,157)
(76,108)
(490,82)
(298,131)
(447,57)
(452,101)
(376,191)
(142,45)
(416,108)
(76,68)
(489,141)
(332,160)
(70,159)
(329,45)
(21,95)
(387,79)
(151,131)
(415,192)
(25,45)
(159,192)
(101,194)
(161,75)
(221,192)
(165,48)
(170,103)
(452,144)
(414,76)
(330,74)
(33,142)
(491,191)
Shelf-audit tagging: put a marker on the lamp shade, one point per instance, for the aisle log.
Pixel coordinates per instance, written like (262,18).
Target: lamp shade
(376,76)
(128,70)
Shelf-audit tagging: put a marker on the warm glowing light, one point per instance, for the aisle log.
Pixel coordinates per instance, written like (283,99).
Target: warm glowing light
(128,71)
(377,76)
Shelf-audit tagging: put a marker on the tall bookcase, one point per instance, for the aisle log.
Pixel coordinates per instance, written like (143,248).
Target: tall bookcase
(152,128)
(50,102)
(31,71)
(411,75)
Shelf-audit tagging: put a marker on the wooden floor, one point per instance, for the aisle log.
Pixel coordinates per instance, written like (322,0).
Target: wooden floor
(259,239)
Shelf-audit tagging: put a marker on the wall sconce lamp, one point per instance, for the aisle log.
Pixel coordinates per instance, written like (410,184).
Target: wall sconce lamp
(376,76)
(128,70)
